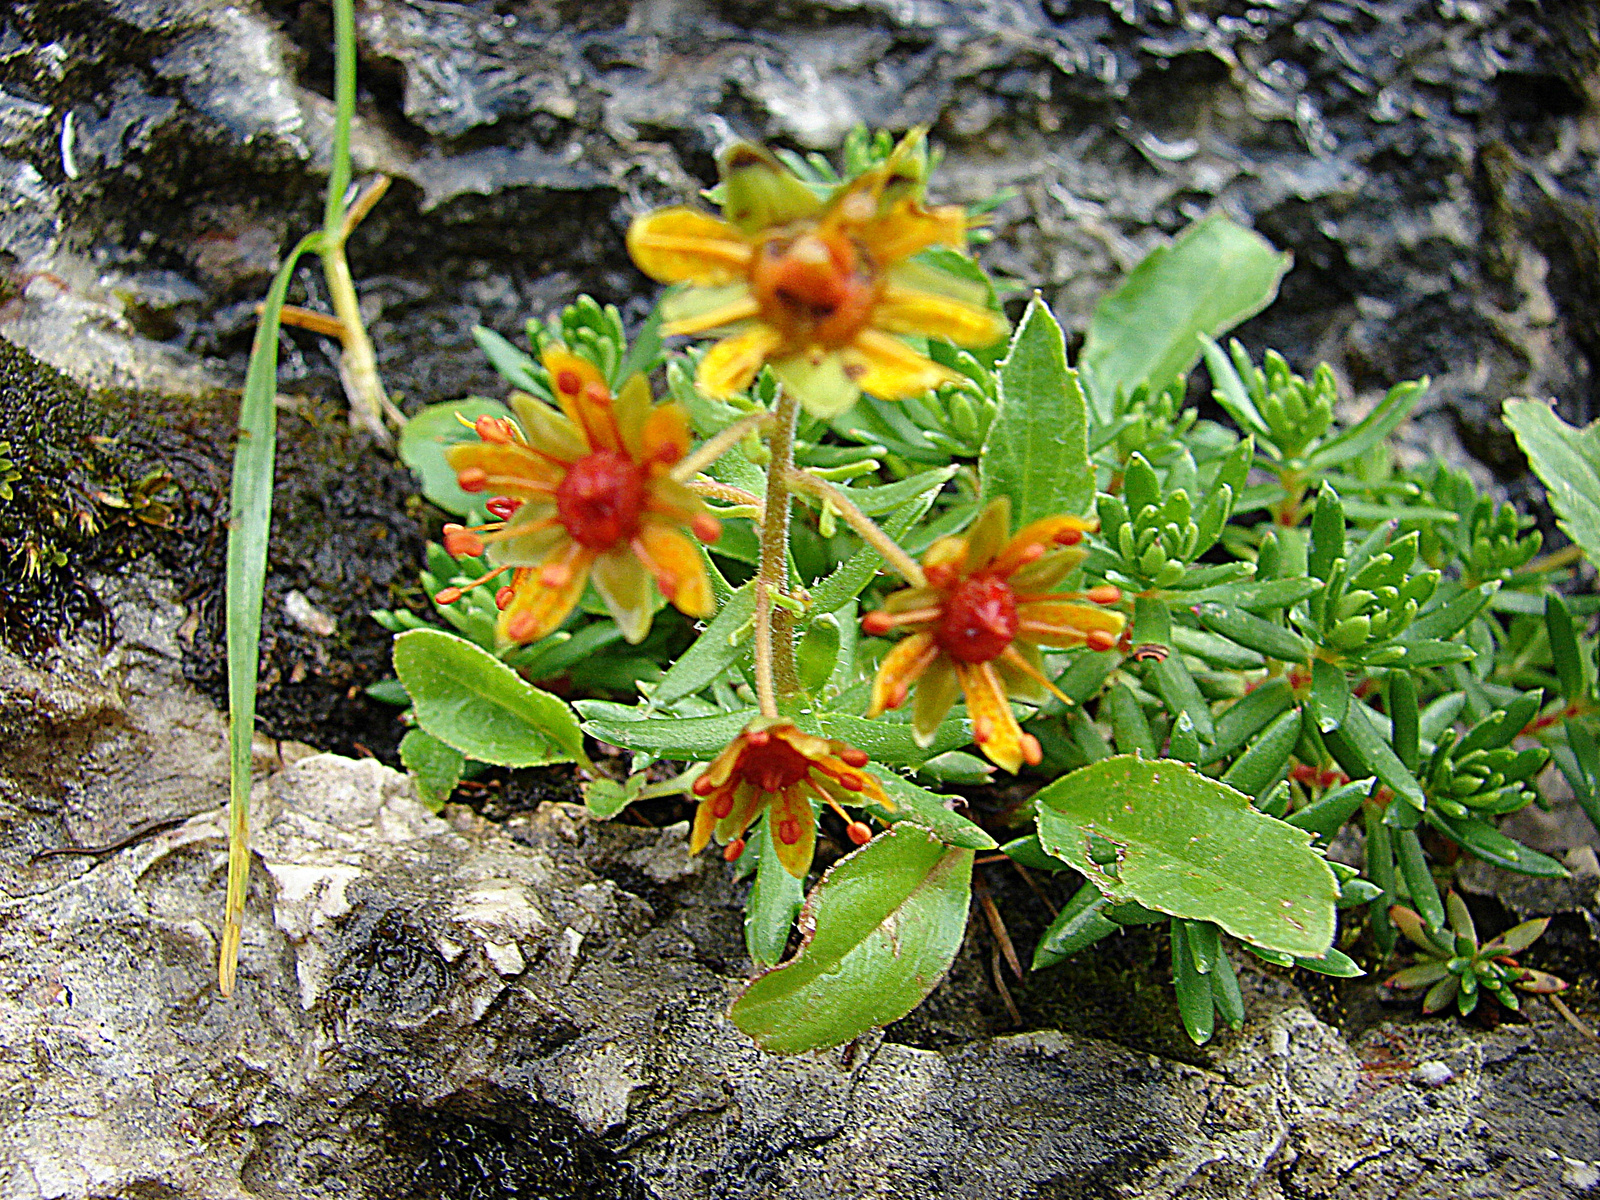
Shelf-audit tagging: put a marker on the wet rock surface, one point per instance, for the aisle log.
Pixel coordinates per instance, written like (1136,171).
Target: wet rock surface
(452,1008)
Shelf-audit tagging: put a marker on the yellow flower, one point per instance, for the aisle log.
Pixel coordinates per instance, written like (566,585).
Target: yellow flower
(587,493)
(772,764)
(818,289)
(977,626)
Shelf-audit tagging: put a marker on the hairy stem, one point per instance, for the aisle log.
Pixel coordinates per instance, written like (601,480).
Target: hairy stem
(774,640)
(714,448)
(869,529)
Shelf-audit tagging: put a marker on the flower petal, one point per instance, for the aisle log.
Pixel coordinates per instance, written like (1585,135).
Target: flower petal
(910,310)
(1045,533)
(699,310)
(624,586)
(704,821)
(676,245)
(821,380)
(548,432)
(546,595)
(987,535)
(761,192)
(900,669)
(678,568)
(512,470)
(665,436)
(1064,623)
(794,829)
(1044,575)
(633,412)
(936,693)
(527,542)
(732,363)
(583,394)
(1021,670)
(908,227)
(994,729)
(748,802)
(886,367)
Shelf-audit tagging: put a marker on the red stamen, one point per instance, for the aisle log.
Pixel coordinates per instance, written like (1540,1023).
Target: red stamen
(853,757)
(1032,552)
(707,528)
(1069,537)
(788,831)
(1032,754)
(472,479)
(876,624)
(461,543)
(448,596)
(521,626)
(1106,593)
(1101,639)
(982,729)
(858,832)
(850,783)
(568,383)
(722,805)
(732,851)
(503,598)
(495,429)
(703,786)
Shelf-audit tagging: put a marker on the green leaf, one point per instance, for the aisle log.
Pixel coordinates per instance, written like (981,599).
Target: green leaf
(879,932)
(892,742)
(389,691)
(700,738)
(1080,924)
(426,437)
(1037,451)
(1330,695)
(847,580)
(1564,651)
(1148,331)
(434,766)
(929,810)
(775,900)
(711,653)
(1178,689)
(1027,852)
(1489,844)
(1362,752)
(1253,632)
(1567,460)
(516,367)
(1192,847)
(1195,1002)
(1378,424)
(1259,767)
(469,699)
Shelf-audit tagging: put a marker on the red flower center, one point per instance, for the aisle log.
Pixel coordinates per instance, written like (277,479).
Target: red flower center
(771,764)
(601,499)
(978,619)
(813,289)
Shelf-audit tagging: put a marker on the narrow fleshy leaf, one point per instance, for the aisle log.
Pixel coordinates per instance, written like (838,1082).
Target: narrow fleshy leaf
(667,737)
(879,932)
(1079,925)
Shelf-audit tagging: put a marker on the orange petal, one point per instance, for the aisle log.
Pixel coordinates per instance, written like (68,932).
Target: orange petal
(512,470)
(748,803)
(901,668)
(704,821)
(908,310)
(1063,623)
(732,363)
(678,567)
(886,367)
(993,727)
(1052,533)
(794,829)
(665,437)
(545,597)
(676,245)
(583,394)
(624,585)
(908,227)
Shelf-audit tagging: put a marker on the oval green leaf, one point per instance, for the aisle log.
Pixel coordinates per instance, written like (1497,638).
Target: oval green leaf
(1192,847)
(426,437)
(878,933)
(435,767)
(469,699)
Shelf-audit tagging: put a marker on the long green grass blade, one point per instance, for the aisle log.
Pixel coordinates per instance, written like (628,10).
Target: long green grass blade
(249,518)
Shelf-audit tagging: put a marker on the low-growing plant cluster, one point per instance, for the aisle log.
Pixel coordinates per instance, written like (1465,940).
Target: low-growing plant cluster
(805,568)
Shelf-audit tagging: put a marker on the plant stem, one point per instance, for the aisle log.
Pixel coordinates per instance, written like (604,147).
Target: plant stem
(774,633)
(869,529)
(714,448)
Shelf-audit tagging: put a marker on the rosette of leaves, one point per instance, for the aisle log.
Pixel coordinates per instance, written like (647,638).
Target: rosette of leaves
(1456,969)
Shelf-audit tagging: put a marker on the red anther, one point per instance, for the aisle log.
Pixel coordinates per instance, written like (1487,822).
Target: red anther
(1101,639)
(788,831)
(568,383)
(503,507)
(1069,537)
(858,832)
(596,393)
(1032,552)
(706,527)
(982,729)
(554,575)
(703,786)
(521,627)
(461,543)
(850,783)
(722,805)
(897,695)
(1032,753)
(940,576)
(854,757)
(1106,593)
(494,429)
(472,479)
(448,596)
(757,737)
(877,623)
(732,851)
(503,598)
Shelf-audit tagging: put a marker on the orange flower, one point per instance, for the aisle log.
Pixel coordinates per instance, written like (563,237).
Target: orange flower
(818,289)
(977,626)
(587,493)
(774,765)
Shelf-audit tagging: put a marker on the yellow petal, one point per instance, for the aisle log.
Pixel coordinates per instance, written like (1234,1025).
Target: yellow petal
(633,411)
(679,570)
(908,228)
(548,432)
(732,363)
(513,470)
(900,669)
(987,534)
(699,310)
(994,729)
(665,436)
(760,191)
(904,310)
(794,829)
(886,367)
(1064,623)
(676,245)
(624,586)
(936,692)
(820,379)
(528,541)
(704,821)
(546,596)
(583,394)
